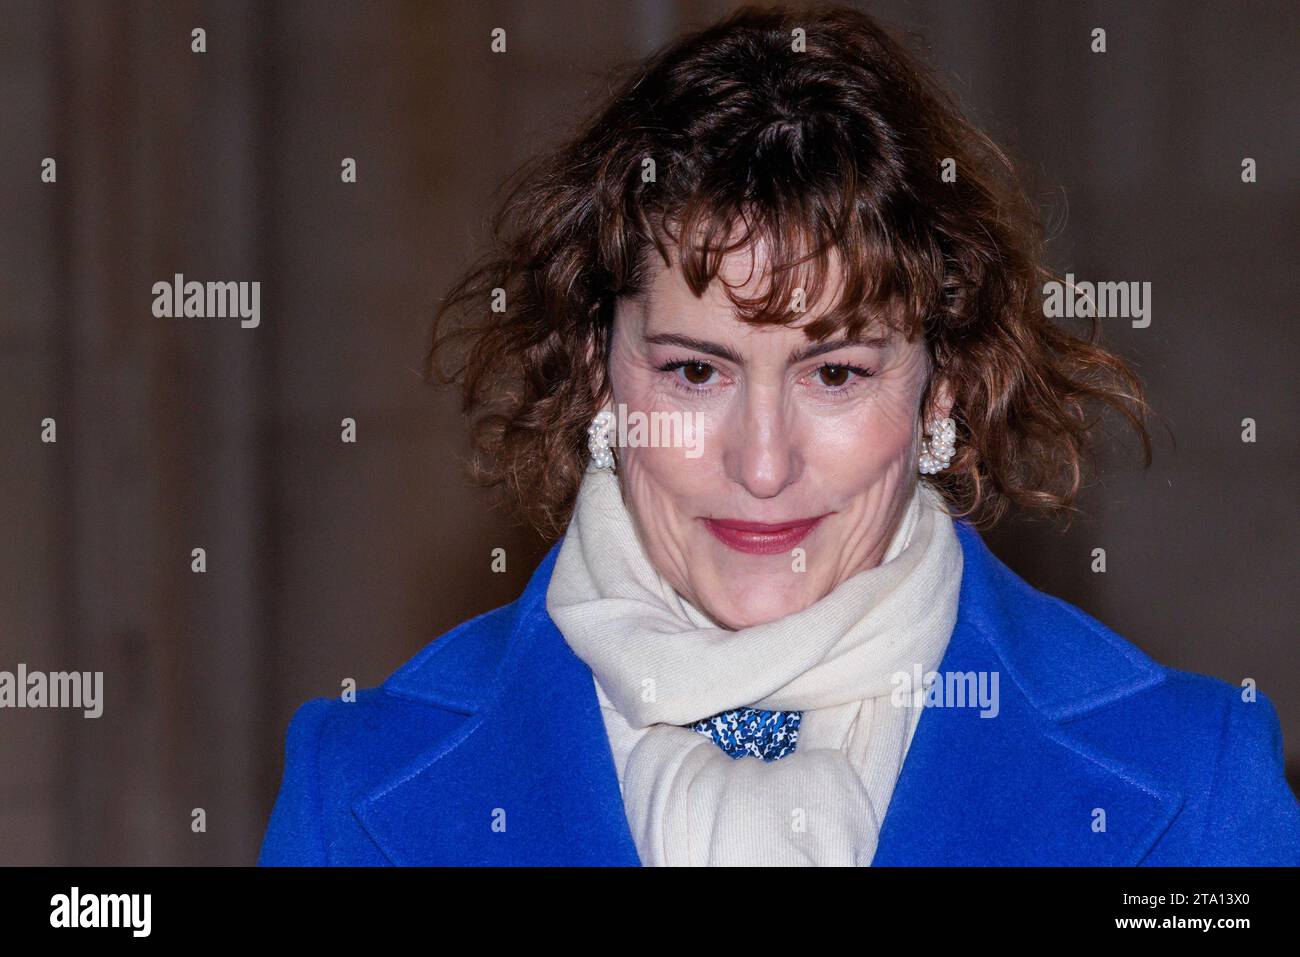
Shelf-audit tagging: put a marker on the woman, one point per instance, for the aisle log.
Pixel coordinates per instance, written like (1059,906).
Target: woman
(762,347)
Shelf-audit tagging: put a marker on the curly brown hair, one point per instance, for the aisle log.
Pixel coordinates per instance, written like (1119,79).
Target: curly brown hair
(836,143)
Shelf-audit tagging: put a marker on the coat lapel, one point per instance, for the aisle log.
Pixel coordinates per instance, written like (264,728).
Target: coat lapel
(528,777)
(1019,788)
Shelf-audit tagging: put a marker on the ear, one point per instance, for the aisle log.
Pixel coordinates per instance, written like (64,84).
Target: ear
(941,401)
(597,364)
(593,366)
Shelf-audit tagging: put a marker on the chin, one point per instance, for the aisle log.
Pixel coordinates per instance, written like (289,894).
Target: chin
(756,601)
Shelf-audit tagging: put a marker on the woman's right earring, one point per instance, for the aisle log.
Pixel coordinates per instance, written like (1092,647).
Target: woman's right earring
(598,440)
(939,446)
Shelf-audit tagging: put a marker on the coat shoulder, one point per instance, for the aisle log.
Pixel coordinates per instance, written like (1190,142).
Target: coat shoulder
(431,693)
(1128,691)
(1216,745)
(1065,661)
(339,750)
(1197,708)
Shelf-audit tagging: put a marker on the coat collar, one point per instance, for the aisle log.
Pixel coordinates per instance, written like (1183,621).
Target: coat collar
(528,777)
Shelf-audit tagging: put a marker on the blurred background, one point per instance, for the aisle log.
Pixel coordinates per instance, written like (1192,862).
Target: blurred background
(329,561)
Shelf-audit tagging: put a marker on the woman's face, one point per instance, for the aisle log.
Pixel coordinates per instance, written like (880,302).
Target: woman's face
(815,452)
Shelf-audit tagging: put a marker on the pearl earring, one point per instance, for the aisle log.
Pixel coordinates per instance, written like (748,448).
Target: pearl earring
(938,448)
(598,440)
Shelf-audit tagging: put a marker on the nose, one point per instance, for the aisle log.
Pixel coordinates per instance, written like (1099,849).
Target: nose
(763,452)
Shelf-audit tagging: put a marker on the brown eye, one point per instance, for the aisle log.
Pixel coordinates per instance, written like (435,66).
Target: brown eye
(692,369)
(834,376)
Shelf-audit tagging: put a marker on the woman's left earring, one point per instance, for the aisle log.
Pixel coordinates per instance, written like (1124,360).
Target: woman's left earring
(602,457)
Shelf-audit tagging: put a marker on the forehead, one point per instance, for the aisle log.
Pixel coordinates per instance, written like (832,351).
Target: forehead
(744,274)
(747,271)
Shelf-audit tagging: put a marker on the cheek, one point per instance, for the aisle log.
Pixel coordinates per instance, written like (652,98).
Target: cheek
(660,480)
(664,460)
(658,492)
(856,451)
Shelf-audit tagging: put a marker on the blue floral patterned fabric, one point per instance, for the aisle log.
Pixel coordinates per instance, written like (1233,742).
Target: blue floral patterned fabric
(769,735)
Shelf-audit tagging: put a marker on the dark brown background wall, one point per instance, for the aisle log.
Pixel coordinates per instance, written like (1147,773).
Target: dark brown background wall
(329,561)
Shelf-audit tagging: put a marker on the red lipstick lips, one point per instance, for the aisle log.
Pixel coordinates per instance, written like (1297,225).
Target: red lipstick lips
(755,538)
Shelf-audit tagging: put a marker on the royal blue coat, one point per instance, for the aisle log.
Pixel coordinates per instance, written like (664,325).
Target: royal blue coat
(488,748)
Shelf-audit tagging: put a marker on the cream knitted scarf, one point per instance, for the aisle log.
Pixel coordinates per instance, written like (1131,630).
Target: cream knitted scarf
(660,663)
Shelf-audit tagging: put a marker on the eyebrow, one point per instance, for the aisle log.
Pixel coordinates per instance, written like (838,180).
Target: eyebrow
(798,355)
